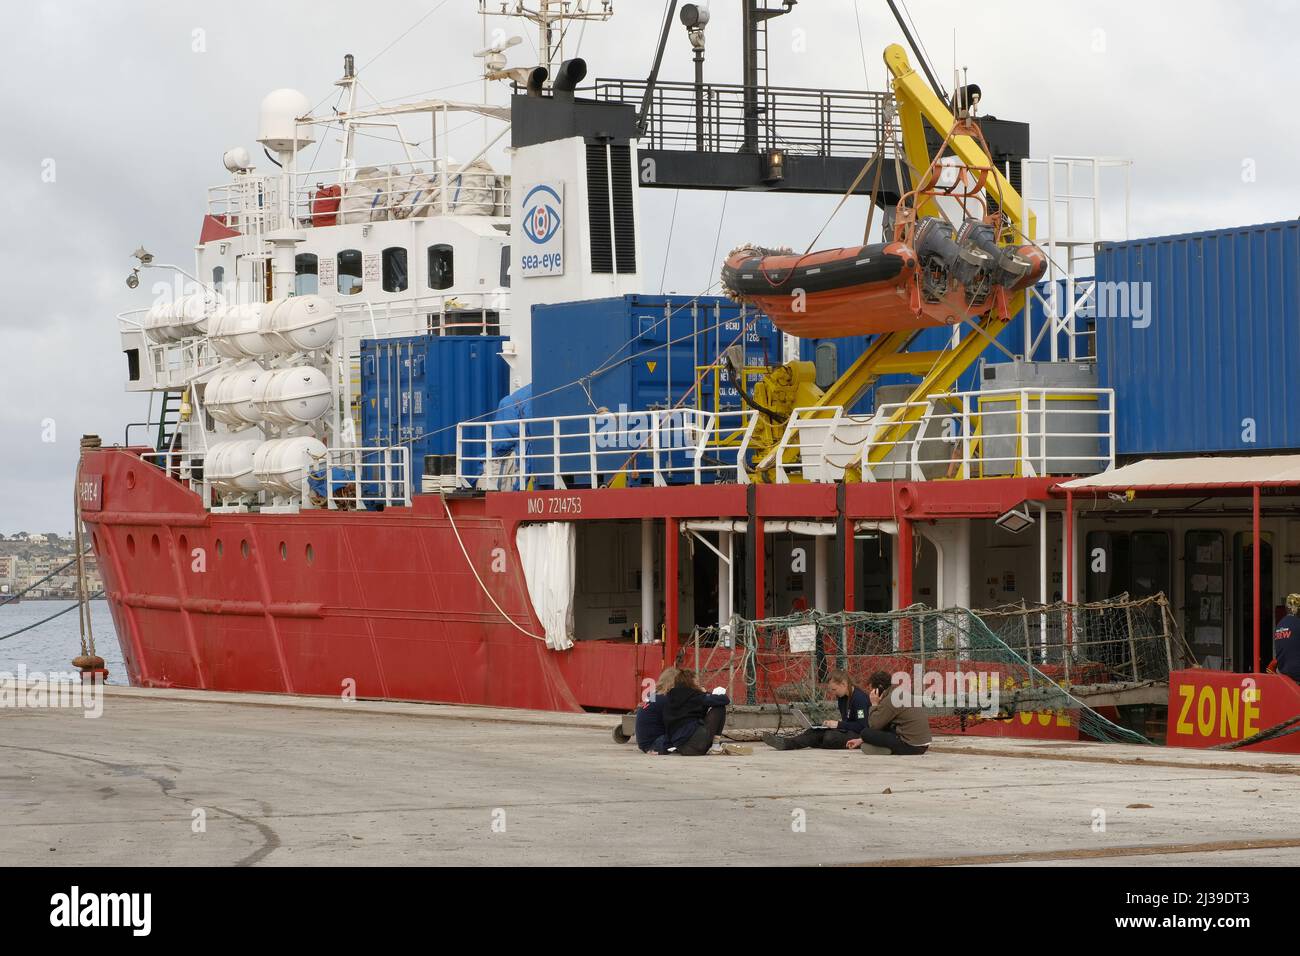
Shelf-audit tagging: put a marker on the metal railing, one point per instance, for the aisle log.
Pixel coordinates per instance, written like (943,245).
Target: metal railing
(183,465)
(247,204)
(172,365)
(994,433)
(426,313)
(354,195)
(804,121)
(403,190)
(659,447)
(360,479)
(346,479)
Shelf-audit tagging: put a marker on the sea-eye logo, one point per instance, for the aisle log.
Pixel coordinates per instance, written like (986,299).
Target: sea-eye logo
(541,218)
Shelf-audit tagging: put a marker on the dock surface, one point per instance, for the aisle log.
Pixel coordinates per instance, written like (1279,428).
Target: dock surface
(186,778)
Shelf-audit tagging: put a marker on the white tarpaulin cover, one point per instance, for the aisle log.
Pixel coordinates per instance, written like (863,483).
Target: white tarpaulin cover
(550,555)
(1194,473)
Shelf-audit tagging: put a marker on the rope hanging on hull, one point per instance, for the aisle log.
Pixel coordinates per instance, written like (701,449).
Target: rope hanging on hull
(88,662)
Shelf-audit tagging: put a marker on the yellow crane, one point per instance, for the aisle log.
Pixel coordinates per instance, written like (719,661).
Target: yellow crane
(792,385)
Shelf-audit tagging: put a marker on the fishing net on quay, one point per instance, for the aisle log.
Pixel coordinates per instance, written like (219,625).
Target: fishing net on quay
(1036,658)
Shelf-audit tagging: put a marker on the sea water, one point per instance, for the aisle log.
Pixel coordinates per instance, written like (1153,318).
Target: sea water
(52,646)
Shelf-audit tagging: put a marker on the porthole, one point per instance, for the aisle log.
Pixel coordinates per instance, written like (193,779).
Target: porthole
(155,546)
(130,479)
(221,548)
(284,551)
(130,545)
(311,554)
(184,545)
(244,549)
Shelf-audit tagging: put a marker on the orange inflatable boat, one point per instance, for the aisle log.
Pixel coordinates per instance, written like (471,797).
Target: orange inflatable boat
(943,276)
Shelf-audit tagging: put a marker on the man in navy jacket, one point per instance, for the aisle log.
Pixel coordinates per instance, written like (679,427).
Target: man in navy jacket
(1286,641)
(854,706)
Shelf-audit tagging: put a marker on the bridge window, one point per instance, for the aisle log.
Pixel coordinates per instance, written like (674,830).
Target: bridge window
(395,269)
(306,280)
(218,279)
(441,271)
(349,272)
(505,266)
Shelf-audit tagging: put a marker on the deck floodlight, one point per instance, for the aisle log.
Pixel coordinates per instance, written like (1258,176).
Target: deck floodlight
(774,168)
(694,16)
(1016,520)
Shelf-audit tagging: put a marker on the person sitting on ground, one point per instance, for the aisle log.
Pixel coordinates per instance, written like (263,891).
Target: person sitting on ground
(650,726)
(833,734)
(693,718)
(892,726)
(1286,641)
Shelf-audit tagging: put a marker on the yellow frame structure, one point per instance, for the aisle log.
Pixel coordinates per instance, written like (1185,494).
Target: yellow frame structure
(917,104)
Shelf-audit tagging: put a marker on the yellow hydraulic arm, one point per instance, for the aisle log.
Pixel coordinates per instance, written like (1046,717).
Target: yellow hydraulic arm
(915,100)
(917,103)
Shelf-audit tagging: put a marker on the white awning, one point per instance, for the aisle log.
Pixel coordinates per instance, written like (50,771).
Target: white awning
(1177,474)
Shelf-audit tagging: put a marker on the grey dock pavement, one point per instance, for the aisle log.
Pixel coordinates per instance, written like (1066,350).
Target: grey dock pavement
(184,778)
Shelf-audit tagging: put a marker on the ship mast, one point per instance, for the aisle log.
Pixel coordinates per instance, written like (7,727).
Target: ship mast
(548,15)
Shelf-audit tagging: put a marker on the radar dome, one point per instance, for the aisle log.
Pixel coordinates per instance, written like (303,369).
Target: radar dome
(278,127)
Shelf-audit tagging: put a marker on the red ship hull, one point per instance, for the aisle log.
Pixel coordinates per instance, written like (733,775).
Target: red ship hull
(385,605)
(321,603)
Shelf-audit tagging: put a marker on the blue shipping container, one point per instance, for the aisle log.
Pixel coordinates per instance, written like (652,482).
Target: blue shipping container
(616,352)
(1199,335)
(416,389)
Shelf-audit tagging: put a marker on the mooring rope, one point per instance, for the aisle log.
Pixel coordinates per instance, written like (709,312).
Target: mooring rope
(1287,727)
(23,630)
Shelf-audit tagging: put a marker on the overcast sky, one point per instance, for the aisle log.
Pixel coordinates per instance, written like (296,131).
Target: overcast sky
(128,107)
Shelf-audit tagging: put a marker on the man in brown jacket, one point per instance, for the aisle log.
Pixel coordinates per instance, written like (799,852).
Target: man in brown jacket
(898,728)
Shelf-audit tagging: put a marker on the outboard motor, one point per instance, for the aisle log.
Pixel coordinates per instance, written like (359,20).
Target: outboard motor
(945,261)
(1012,268)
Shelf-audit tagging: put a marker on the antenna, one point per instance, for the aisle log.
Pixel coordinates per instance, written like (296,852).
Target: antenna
(546,15)
(494,57)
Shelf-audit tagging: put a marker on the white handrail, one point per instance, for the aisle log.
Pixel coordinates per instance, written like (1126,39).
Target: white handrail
(662,444)
(1033,441)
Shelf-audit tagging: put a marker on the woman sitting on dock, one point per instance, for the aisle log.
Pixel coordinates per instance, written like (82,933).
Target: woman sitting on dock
(853,705)
(693,718)
(650,727)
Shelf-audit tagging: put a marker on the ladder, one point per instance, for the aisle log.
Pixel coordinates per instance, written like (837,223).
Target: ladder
(169,418)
